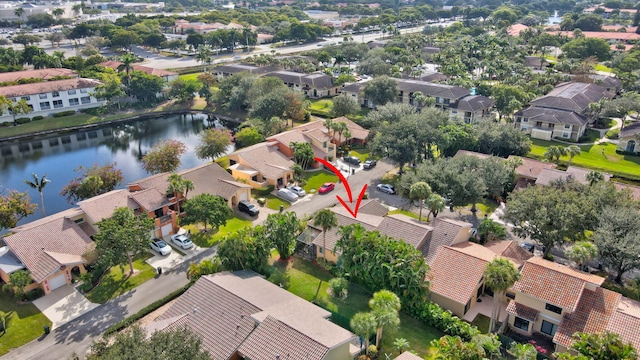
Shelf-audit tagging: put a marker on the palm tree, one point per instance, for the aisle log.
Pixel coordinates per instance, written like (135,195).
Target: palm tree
(127,61)
(499,275)
(436,204)
(572,150)
(19,12)
(327,220)
(38,184)
(177,185)
(401,344)
(554,152)
(385,306)
(420,190)
(594,177)
(581,252)
(340,127)
(363,324)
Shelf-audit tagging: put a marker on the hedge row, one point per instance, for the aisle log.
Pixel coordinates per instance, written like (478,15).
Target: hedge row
(64,113)
(434,315)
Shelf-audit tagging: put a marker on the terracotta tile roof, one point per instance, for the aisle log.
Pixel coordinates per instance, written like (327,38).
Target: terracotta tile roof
(444,233)
(511,250)
(455,275)
(43,249)
(531,168)
(102,206)
(369,222)
(357,131)
(272,338)
(402,227)
(591,316)
(515,29)
(606,35)
(522,311)
(266,159)
(625,321)
(47,87)
(212,179)
(44,74)
(145,69)
(475,250)
(372,207)
(538,273)
(150,199)
(408,356)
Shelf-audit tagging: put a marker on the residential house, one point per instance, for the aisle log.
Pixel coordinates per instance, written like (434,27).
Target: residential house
(549,175)
(456,100)
(629,138)
(241,315)
(577,302)
(50,97)
(52,249)
(314,85)
(223,71)
(612,37)
(42,74)
(528,172)
(407,356)
(182,26)
(561,113)
(166,75)
(261,165)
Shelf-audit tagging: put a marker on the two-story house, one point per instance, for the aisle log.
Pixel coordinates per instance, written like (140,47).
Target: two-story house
(261,165)
(50,97)
(314,85)
(562,112)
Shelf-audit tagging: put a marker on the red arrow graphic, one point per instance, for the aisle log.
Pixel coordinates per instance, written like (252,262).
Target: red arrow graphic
(353,212)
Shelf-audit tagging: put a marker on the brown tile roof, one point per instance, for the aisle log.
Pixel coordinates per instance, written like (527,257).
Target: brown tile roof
(272,338)
(369,222)
(150,199)
(266,159)
(625,321)
(44,74)
(455,275)
(515,29)
(522,311)
(102,206)
(444,233)
(47,87)
(408,356)
(511,250)
(592,315)
(402,227)
(573,96)
(547,176)
(212,179)
(357,132)
(580,174)
(538,273)
(43,249)
(531,168)
(372,207)
(606,35)
(475,250)
(145,69)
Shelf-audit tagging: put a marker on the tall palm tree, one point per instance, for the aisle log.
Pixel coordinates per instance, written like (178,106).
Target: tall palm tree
(499,275)
(572,150)
(127,61)
(420,190)
(385,306)
(363,324)
(19,12)
(581,252)
(340,127)
(327,220)
(38,183)
(177,185)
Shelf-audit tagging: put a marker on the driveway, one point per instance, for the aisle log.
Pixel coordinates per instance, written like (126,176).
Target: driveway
(175,258)
(63,305)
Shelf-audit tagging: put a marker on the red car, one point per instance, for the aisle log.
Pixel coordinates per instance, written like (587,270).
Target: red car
(326,187)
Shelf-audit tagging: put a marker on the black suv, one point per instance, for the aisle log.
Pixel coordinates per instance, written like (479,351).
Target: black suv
(369,164)
(351,160)
(247,207)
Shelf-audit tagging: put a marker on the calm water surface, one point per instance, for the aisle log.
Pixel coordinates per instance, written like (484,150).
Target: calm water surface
(58,155)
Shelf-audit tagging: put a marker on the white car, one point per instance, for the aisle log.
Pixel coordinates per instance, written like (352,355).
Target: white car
(159,246)
(182,241)
(297,190)
(287,195)
(386,188)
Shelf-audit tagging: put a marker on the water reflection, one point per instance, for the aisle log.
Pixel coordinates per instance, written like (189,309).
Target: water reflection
(125,143)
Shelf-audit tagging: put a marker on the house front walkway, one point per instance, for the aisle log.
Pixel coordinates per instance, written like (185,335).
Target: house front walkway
(63,305)
(485,308)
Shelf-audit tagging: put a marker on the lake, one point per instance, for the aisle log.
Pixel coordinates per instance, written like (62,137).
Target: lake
(58,155)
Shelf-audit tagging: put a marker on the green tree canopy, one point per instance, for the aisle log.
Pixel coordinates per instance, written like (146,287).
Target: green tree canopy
(164,157)
(94,181)
(381,90)
(213,143)
(207,209)
(617,239)
(603,346)
(13,207)
(244,250)
(344,105)
(281,230)
(499,275)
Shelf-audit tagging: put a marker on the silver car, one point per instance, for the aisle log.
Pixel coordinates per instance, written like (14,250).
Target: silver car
(287,195)
(182,241)
(297,190)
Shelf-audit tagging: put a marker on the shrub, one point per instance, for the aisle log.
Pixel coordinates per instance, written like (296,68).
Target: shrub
(22,120)
(612,134)
(262,191)
(338,287)
(5,124)
(64,113)
(36,118)
(434,315)
(33,294)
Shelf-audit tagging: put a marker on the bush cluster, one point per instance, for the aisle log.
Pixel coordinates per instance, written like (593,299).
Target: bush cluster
(64,113)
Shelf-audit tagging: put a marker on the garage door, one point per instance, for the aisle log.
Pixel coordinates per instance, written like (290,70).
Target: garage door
(243,196)
(57,282)
(166,229)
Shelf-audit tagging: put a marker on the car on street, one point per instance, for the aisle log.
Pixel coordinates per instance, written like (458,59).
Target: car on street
(351,160)
(386,188)
(247,207)
(369,164)
(182,241)
(287,194)
(528,246)
(297,190)
(159,246)
(326,187)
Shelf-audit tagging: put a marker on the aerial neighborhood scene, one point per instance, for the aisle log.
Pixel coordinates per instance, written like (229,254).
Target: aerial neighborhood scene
(310,180)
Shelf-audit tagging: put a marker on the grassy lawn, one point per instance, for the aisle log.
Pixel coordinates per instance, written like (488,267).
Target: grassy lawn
(187,77)
(24,323)
(486,206)
(210,238)
(362,154)
(410,214)
(601,157)
(311,283)
(273,202)
(316,179)
(116,283)
(601,67)
(482,322)
(321,107)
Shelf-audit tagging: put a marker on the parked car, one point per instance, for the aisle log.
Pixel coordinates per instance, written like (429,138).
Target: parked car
(386,188)
(369,164)
(247,207)
(351,160)
(297,190)
(159,246)
(326,187)
(182,241)
(528,246)
(287,194)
